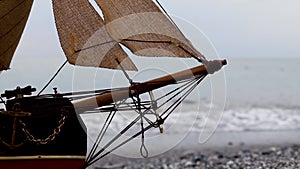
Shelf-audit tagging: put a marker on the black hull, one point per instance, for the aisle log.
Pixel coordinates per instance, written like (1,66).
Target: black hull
(51,129)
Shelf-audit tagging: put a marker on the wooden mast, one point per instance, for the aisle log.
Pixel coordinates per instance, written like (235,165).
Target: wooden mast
(140,88)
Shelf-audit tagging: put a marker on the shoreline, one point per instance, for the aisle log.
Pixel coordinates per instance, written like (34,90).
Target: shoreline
(233,139)
(252,149)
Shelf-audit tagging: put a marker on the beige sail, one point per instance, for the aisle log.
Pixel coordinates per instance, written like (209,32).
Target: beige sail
(144,29)
(84,38)
(13,18)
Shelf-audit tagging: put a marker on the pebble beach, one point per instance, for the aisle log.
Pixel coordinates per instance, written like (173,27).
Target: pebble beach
(286,157)
(266,153)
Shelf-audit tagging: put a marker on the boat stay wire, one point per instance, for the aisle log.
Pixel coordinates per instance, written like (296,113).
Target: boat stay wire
(142,108)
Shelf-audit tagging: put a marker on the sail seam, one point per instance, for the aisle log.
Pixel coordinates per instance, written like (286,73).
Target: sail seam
(22,19)
(169,42)
(13,9)
(90,47)
(5,34)
(146,41)
(11,46)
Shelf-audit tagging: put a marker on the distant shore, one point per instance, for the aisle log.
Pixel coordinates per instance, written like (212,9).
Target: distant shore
(265,149)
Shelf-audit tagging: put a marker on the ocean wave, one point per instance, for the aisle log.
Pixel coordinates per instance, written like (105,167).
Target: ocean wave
(238,119)
(259,119)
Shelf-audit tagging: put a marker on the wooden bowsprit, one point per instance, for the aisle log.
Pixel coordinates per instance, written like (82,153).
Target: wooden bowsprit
(149,113)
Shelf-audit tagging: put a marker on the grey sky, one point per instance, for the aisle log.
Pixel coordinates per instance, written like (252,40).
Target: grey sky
(237,28)
(252,28)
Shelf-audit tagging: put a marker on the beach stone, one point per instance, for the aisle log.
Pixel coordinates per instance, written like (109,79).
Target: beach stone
(198,158)
(230,143)
(252,158)
(230,163)
(189,164)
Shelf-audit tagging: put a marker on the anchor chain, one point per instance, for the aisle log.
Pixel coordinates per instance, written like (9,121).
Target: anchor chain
(15,114)
(51,137)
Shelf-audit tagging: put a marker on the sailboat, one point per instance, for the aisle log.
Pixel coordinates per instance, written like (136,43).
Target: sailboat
(45,130)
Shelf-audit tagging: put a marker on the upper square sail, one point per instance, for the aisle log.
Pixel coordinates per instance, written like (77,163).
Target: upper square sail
(13,18)
(84,38)
(143,28)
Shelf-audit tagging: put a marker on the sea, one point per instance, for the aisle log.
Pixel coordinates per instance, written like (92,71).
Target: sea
(249,95)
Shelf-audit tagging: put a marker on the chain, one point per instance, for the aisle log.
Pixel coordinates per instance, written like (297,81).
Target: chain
(51,137)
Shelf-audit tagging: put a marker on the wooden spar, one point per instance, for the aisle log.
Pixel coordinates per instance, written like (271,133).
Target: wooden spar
(140,88)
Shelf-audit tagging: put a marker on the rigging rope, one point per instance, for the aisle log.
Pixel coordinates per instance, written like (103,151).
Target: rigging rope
(167,14)
(180,100)
(198,58)
(119,145)
(53,77)
(102,132)
(94,158)
(124,72)
(143,147)
(138,106)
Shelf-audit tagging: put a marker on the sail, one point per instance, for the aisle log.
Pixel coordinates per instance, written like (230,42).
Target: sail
(13,18)
(84,38)
(142,27)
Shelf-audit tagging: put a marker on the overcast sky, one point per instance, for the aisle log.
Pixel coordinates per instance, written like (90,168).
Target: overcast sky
(237,28)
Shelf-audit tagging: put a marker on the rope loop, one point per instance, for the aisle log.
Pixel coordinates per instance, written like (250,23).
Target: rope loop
(143,150)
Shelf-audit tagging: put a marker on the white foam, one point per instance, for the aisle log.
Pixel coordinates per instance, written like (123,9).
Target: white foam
(251,119)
